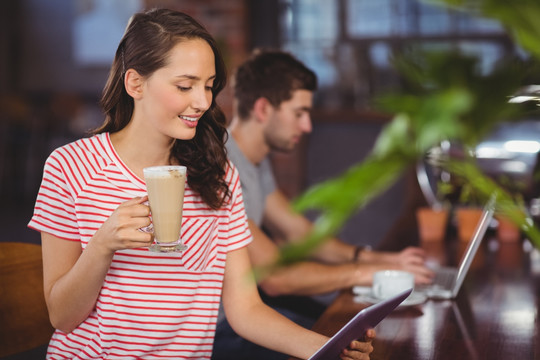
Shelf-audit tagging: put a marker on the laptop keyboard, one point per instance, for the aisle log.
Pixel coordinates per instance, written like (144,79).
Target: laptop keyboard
(444,277)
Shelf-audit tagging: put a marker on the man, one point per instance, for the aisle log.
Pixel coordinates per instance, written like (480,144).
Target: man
(273,94)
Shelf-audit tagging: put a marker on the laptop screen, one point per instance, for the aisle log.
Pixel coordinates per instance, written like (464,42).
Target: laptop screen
(474,244)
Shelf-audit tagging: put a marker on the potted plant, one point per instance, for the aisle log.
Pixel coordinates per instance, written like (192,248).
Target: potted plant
(467,206)
(468,211)
(507,230)
(467,218)
(432,220)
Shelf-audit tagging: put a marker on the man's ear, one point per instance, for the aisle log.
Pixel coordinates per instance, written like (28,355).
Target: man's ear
(262,108)
(133,83)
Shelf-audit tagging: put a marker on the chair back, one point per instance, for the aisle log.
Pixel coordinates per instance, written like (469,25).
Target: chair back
(23,313)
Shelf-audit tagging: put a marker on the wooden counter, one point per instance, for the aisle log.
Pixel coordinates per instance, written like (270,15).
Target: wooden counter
(495,315)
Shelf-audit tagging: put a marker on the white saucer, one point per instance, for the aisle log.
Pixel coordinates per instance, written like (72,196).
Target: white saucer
(364,294)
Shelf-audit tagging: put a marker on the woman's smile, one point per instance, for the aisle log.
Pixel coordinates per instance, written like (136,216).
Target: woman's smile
(190,121)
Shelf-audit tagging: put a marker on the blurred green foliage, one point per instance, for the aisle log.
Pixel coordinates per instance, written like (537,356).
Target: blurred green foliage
(446,97)
(519,17)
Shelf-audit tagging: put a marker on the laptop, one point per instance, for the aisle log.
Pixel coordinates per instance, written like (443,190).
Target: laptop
(448,280)
(365,319)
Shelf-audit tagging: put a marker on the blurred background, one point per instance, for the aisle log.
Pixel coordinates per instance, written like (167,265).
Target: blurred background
(55,55)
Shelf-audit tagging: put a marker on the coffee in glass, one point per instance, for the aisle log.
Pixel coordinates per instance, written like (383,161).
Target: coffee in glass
(165,186)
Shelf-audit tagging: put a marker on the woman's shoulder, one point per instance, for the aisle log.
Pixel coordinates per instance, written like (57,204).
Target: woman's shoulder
(88,150)
(232,175)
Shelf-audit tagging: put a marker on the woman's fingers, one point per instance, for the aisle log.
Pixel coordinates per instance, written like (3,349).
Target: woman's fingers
(360,349)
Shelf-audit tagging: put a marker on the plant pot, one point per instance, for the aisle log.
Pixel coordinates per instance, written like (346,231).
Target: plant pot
(507,231)
(467,221)
(431,224)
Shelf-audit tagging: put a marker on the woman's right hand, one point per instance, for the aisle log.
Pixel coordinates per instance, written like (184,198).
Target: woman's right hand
(359,349)
(122,229)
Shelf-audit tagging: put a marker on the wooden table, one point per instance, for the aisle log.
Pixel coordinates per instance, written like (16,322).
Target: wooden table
(495,315)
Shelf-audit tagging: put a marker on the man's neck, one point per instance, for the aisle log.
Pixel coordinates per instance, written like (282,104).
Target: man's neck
(249,137)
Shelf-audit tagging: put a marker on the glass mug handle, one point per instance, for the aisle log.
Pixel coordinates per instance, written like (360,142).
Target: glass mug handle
(150,228)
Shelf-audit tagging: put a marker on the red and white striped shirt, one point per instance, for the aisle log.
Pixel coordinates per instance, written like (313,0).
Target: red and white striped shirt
(151,305)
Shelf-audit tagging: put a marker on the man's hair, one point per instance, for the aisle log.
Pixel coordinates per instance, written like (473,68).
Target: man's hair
(271,74)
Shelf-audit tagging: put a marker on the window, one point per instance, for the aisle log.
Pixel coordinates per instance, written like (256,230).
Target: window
(349,43)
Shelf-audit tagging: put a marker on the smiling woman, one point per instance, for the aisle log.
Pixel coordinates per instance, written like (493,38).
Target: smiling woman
(107,295)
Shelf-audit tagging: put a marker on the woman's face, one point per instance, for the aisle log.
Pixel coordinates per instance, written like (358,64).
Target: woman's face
(176,96)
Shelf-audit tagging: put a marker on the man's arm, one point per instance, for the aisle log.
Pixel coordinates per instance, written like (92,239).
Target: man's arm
(291,226)
(304,277)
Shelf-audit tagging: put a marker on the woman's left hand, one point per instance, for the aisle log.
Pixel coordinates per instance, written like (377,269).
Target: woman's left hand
(359,349)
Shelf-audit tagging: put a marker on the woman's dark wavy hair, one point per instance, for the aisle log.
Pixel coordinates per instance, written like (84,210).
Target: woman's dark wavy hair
(145,47)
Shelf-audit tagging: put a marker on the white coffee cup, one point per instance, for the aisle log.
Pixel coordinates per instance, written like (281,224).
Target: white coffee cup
(388,283)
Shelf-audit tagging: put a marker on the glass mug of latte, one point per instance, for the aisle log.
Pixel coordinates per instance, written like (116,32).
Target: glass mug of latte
(165,186)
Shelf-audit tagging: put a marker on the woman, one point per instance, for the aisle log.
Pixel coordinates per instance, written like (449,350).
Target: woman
(107,295)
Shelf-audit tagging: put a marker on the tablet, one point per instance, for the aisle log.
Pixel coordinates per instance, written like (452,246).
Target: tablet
(365,319)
